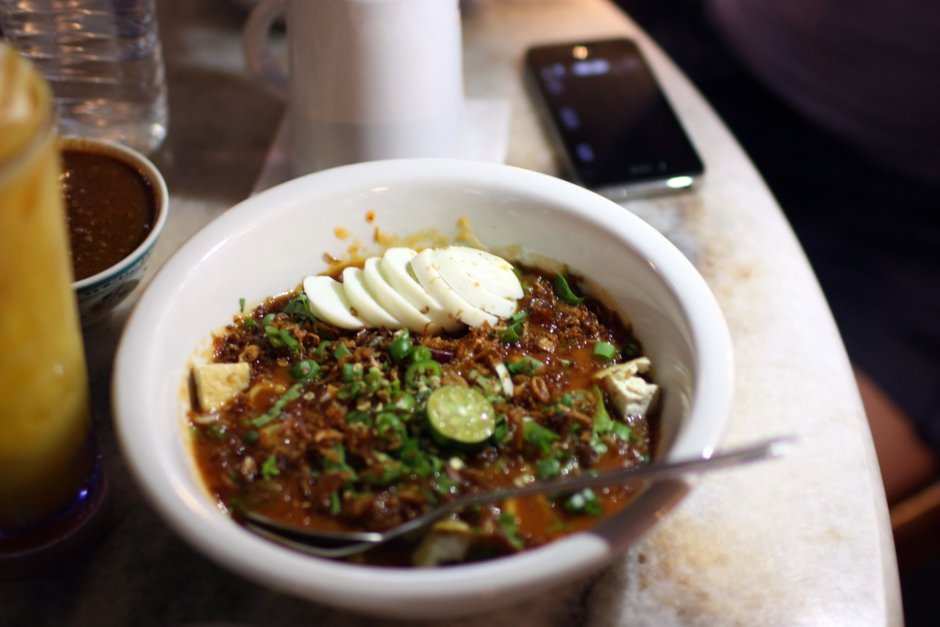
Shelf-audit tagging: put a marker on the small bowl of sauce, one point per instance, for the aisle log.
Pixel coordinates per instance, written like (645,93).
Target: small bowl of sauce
(116,202)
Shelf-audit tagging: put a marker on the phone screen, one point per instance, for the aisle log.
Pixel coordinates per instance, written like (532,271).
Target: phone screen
(614,123)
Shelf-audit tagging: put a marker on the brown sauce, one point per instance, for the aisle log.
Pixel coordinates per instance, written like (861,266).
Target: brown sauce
(111,209)
(324,461)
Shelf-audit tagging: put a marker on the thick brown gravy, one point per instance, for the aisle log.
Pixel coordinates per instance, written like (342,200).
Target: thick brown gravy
(111,209)
(347,452)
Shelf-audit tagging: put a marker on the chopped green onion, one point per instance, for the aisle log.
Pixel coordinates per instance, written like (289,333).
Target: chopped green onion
(358,416)
(336,503)
(299,309)
(605,351)
(547,468)
(303,369)
(519,316)
(341,351)
(564,292)
(632,349)
(584,502)
(509,525)
(269,467)
(320,351)
(334,461)
(537,435)
(622,431)
(292,394)
(350,372)
(277,336)
(513,332)
(417,461)
(527,365)
(387,422)
(602,420)
(501,432)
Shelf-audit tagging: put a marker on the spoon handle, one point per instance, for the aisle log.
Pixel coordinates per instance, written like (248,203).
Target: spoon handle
(342,544)
(655,471)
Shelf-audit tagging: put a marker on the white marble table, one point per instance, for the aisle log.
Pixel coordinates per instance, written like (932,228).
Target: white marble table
(801,541)
(805,541)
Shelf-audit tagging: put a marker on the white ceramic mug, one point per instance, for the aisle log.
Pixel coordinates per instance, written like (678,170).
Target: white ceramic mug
(367,80)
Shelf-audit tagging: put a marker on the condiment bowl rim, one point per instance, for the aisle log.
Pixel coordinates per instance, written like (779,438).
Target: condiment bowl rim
(149,170)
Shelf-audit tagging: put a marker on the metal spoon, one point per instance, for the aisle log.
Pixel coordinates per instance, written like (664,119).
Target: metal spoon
(345,543)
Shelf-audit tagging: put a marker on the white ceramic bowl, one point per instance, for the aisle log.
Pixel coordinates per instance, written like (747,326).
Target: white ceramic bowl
(268,243)
(101,292)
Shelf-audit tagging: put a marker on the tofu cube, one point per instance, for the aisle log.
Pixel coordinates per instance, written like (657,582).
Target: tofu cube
(446,542)
(631,394)
(217,384)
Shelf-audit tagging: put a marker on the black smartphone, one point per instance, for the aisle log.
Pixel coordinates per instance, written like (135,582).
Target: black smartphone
(615,130)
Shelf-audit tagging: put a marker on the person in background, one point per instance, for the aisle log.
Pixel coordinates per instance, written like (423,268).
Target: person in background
(854,159)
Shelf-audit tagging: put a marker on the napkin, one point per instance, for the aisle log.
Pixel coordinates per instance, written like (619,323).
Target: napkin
(484,136)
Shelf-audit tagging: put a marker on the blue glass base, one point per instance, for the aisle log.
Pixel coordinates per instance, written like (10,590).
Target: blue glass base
(76,526)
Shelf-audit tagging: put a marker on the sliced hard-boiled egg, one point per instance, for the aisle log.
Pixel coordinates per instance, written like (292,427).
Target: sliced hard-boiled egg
(424,292)
(367,308)
(329,302)
(431,280)
(394,267)
(485,281)
(391,300)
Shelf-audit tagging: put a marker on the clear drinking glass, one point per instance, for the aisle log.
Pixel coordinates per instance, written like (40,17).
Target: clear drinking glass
(49,473)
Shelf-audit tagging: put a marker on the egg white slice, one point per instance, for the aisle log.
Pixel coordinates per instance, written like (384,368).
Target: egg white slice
(437,287)
(479,278)
(328,302)
(363,302)
(394,268)
(392,301)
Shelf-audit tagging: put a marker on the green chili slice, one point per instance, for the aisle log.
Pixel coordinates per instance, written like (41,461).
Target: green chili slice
(421,353)
(400,346)
(420,370)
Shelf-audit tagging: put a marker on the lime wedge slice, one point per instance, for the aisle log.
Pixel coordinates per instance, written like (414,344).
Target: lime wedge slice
(460,414)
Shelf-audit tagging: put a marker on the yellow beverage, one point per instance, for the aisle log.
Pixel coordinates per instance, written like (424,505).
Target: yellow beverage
(44,403)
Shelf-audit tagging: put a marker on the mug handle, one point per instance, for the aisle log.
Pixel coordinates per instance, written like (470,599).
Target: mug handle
(261,62)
